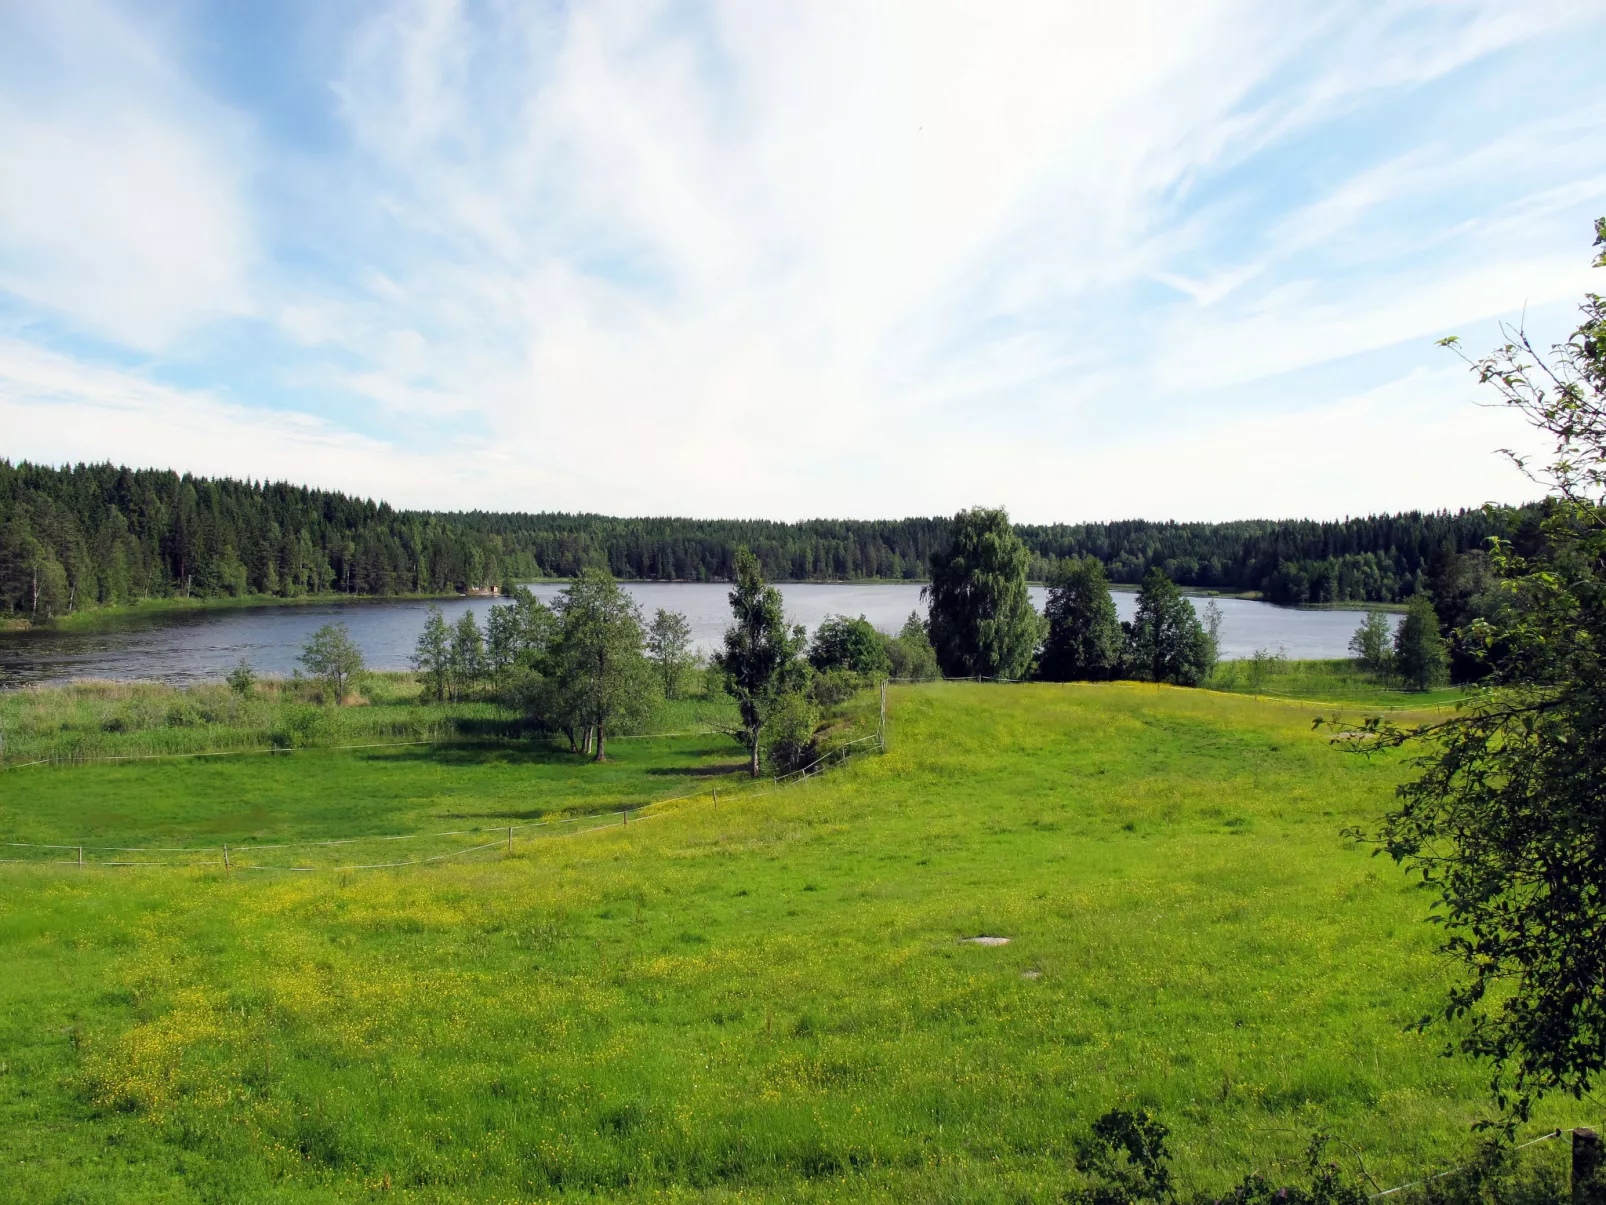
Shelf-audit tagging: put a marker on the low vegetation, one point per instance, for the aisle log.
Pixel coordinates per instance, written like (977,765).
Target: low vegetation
(123,719)
(1333,681)
(771,998)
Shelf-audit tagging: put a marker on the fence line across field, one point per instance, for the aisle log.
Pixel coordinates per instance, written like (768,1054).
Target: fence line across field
(1455,1171)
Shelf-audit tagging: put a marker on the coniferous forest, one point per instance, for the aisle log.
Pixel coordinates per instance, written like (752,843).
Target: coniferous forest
(97,535)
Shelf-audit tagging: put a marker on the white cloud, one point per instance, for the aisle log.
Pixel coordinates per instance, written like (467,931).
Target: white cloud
(834,258)
(120,207)
(61,411)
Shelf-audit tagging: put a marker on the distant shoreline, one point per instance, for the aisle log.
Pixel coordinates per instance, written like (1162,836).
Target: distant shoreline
(113,616)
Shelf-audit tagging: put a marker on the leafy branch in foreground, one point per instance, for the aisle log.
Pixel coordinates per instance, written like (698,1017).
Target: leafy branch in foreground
(1507,820)
(1126,1162)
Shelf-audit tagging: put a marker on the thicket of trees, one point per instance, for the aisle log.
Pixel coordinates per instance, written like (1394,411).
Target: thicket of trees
(590,662)
(96,534)
(1378,558)
(983,625)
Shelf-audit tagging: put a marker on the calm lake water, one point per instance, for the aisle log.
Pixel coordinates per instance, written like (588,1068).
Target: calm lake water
(199,646)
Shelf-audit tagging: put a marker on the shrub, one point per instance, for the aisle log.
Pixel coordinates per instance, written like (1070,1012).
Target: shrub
(788,733)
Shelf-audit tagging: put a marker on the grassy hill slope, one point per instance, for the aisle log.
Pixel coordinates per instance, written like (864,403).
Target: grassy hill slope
(771,998)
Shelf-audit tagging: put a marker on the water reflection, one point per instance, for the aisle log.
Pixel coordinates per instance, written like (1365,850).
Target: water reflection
(194,646)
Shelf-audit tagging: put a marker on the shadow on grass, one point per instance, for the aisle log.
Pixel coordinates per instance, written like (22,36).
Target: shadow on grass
(599,807)
(484,728)
(470,753)
(717,770)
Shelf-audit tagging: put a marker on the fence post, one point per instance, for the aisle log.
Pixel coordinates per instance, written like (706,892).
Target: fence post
(883,729)
(510,838)
(80,857)
(226,867)
(716,796)
(1589,1167)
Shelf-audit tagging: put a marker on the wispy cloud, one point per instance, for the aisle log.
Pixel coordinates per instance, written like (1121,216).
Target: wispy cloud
(765,259)
(123,205)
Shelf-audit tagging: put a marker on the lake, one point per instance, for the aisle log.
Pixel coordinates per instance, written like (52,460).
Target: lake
(197,646)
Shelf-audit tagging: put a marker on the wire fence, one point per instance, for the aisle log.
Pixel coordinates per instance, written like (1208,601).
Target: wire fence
(1456,1171)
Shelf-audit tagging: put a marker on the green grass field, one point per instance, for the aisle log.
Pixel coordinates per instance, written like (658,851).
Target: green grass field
(1339,681)
(318,794)
(767,999)
(132,719)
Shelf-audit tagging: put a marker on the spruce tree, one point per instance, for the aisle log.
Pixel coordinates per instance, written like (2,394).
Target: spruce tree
(1420,655)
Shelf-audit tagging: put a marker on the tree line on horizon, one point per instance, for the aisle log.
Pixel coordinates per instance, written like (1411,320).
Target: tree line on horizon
(85,536)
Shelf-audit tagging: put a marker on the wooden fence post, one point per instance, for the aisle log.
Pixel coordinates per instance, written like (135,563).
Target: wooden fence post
(1589,1168)
(80,857)
(510,838)
(226,867)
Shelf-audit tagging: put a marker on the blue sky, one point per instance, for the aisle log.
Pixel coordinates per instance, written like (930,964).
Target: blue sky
(787,260)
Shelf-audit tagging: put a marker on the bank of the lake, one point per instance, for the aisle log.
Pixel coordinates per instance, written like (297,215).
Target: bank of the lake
(92,619)
(201,643)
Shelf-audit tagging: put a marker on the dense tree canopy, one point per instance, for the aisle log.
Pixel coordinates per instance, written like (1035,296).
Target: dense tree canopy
(1084,636)
(1166,642)
(1377,558)
(850,644)
(981,619)
(96,534)
(599,657)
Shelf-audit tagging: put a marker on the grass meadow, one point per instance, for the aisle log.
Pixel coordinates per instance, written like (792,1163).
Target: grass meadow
(97,719)
(1336,681)
(770,998)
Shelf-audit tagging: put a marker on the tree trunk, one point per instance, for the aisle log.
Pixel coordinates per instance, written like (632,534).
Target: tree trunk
(753,732)
(602,742)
